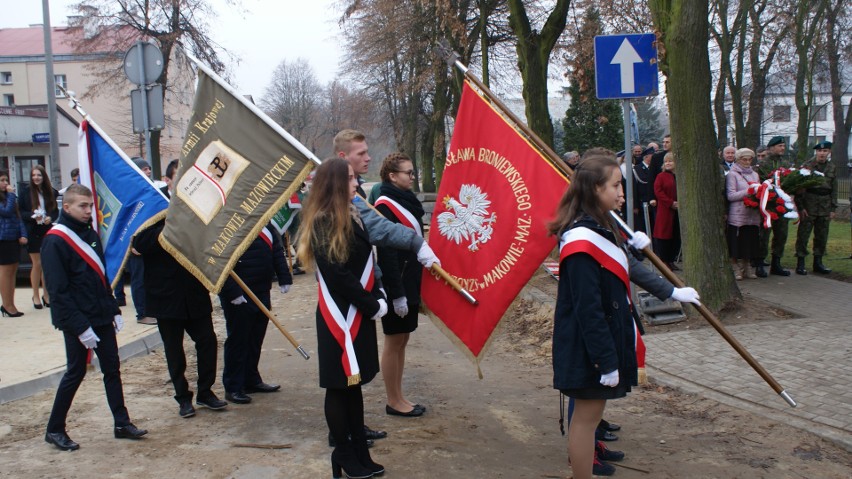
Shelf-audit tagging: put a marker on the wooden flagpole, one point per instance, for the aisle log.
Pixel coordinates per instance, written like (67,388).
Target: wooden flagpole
(436,268)
(269,315)
(287,246)
(453,60)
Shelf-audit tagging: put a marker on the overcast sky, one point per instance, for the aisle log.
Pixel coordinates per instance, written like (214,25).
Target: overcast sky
(267,33)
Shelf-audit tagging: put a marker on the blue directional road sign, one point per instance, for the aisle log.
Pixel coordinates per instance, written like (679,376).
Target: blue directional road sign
(626,66)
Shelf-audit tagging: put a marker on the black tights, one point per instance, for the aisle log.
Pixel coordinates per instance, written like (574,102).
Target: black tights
(344,413)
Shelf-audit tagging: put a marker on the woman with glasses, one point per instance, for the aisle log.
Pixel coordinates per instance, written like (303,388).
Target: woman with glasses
(401,275)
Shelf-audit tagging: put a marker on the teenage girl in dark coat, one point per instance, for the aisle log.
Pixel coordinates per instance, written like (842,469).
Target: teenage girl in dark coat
(39,211)
(594,357)
(401,274)
(332,237)
(12,236)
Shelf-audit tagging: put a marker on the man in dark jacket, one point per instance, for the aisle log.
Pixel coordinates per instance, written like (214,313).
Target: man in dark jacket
(245,322)
(84,308)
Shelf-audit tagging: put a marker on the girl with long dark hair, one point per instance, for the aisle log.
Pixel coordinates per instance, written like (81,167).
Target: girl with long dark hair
(12,236)
(38,210)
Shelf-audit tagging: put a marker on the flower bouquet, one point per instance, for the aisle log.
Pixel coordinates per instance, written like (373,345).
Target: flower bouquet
(796,180)
(771,201)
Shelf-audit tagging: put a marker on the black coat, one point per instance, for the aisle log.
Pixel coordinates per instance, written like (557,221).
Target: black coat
(401,272)
(25,206)
(343,281)
(593,328)
(79,298)
(171,292)
(256,267)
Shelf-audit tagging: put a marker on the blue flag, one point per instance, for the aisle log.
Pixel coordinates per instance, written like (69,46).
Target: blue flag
(126,201)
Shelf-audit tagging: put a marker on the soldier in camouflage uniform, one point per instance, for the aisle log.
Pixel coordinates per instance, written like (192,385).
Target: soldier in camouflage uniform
(816,207)
(773,161)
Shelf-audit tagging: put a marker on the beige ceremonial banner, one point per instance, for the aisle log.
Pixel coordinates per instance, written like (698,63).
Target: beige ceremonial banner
(235,172)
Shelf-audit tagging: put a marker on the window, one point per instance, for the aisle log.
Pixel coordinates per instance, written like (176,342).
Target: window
(5,78)
(60,80)
(821,113)
(781,113)
(8,99)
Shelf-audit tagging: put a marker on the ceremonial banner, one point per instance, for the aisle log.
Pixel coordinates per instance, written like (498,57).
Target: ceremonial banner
(285,216)
(126,201)
(236,170)
(497,193)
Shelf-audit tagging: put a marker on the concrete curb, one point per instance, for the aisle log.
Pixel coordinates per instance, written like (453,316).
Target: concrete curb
(138,347)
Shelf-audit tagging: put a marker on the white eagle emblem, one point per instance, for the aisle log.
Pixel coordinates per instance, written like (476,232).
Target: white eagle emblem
(467,218)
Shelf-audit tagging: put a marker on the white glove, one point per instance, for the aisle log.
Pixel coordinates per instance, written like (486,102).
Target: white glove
(400,307)
(610,379)
(285,288)
(686,295)
(426,256)
(118,322)
(383,310)
(639,241)
(239,301)
(89,339)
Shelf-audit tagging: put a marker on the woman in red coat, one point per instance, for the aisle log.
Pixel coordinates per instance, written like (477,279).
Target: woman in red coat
(667,226)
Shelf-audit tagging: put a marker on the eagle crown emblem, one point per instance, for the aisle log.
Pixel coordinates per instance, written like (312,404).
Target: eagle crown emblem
(467,219)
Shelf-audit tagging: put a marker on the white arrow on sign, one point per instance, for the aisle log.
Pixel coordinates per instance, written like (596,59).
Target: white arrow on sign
(625,57)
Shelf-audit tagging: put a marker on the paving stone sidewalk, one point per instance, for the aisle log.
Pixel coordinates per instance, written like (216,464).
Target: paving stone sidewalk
(810,357)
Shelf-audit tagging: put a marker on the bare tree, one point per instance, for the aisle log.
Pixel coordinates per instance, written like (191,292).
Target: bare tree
(838,50)
(293,99)
(113,26)
(809,18)
(683,29)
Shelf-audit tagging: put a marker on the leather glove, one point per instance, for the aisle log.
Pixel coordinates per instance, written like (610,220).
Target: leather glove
(118,322)
(610,379)
(426,256)
(383,310)
(639,241)
(686,295)
(400,306)
(285,288)
(239,301)
(89,339)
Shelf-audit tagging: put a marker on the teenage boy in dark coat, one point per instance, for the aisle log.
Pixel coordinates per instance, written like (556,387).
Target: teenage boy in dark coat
(84,308)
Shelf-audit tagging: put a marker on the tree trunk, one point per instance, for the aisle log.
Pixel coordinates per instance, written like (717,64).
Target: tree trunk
(842,126)
(686,63)
(807,21)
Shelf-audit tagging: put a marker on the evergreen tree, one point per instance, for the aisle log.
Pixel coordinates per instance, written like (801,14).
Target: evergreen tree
(590,122)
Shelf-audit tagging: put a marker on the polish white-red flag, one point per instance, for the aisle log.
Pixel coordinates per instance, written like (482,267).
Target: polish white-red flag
(496,196)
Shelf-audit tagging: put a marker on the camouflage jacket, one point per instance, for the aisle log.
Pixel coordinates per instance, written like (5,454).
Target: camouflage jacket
(820,200)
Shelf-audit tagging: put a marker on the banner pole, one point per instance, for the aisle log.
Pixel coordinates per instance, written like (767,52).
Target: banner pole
(453,60)
(269,315)
(436,268)
(287,246)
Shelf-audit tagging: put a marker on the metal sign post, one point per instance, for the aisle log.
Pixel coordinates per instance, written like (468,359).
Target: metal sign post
(143,64)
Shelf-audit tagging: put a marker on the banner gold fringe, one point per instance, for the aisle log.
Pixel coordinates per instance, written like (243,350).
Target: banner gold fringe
(243,246)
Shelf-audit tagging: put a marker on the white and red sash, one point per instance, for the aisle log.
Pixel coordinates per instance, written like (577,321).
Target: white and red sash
(344,329)
(612,258)
(80,247)
(266,236)
(403,215)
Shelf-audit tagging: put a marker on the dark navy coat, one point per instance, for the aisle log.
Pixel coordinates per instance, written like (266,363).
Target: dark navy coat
(256,267)
(593,327)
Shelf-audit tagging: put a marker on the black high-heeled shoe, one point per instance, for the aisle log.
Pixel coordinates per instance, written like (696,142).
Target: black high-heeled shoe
(37,305)
(345,461)
(44,302)
(6,313)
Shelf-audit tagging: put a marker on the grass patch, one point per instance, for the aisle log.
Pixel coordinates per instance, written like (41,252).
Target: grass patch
(838,250)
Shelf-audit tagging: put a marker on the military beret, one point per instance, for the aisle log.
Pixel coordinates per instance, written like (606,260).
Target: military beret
(776,140)
(823,145)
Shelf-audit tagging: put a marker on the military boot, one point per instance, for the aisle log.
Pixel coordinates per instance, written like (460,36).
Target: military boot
(776,268)
(819,267)
(800,266)
(759,269)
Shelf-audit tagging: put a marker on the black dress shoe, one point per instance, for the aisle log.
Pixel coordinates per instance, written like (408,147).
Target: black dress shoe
(263,388)
(371,434)
(604,435)
(609,426)
(61,440)
(415,412)
(238,397)
(210,401)
(186,409)
(129,432)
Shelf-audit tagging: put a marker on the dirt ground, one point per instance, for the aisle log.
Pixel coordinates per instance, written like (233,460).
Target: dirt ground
(505,425)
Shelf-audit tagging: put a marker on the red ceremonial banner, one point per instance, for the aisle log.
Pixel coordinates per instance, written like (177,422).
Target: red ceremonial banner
(496,196)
